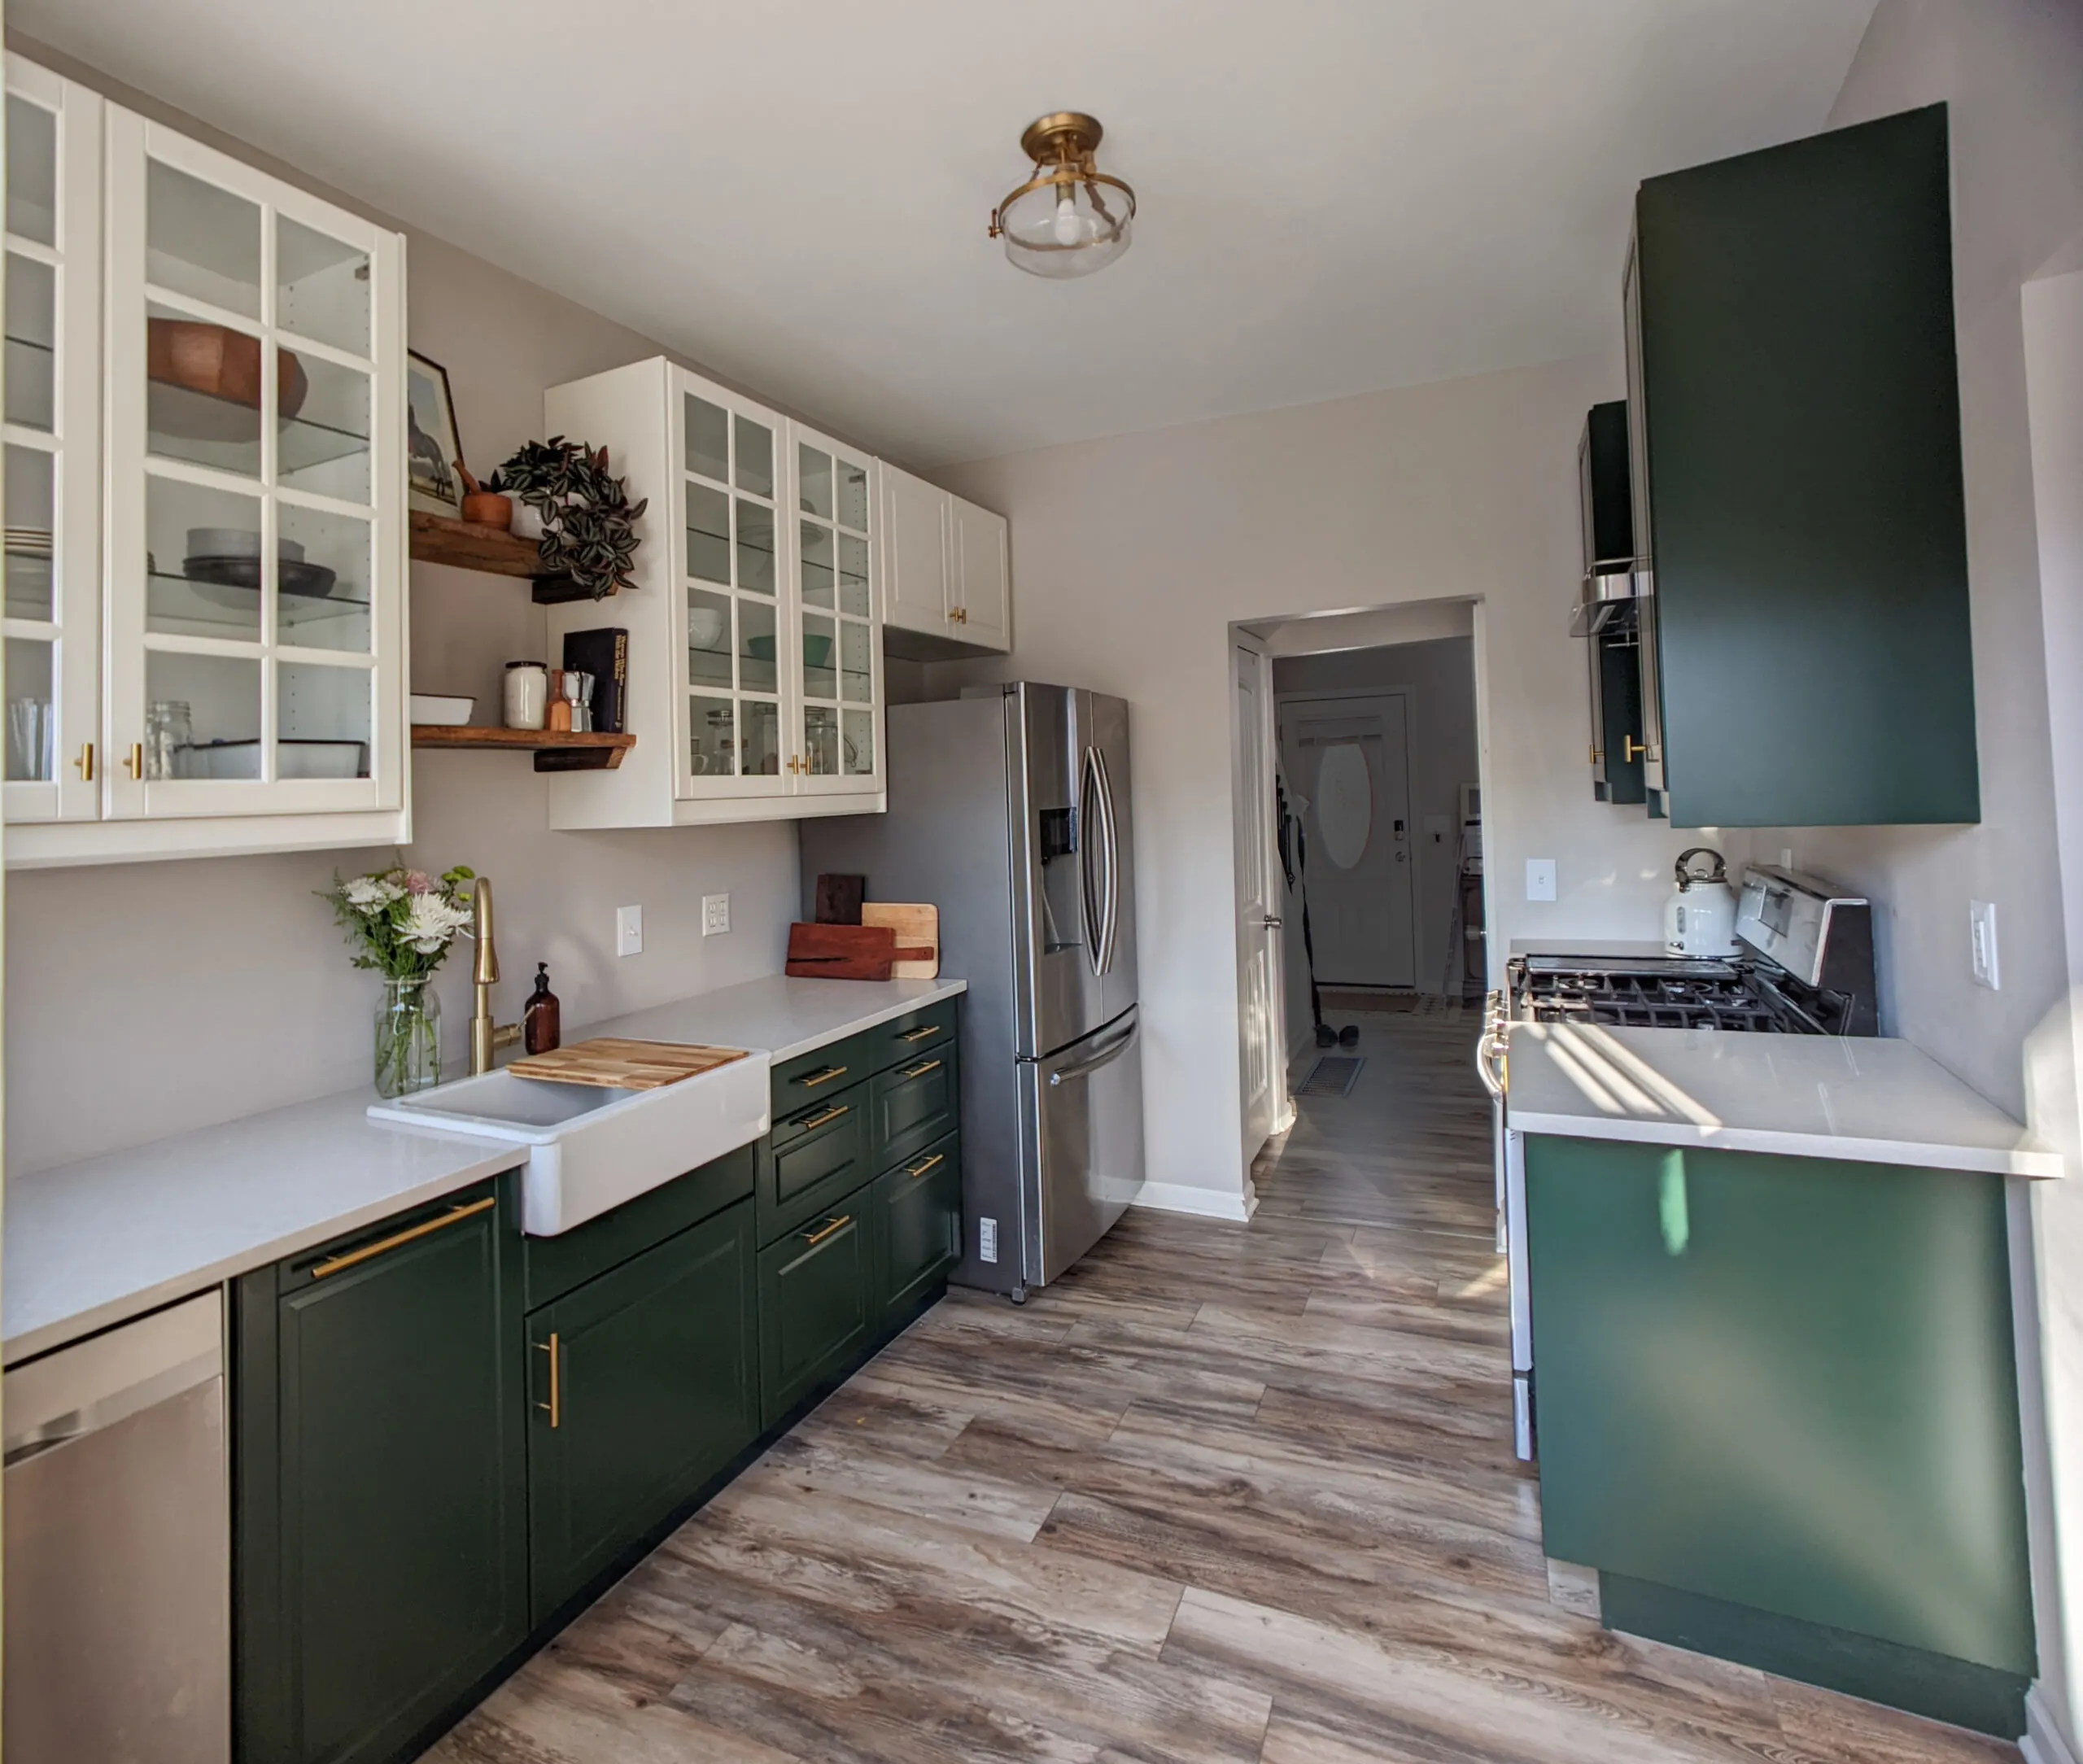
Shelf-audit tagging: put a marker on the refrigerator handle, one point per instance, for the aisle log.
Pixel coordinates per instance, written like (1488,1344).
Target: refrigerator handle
(1092,847)
(1106,1056)
(1111,924)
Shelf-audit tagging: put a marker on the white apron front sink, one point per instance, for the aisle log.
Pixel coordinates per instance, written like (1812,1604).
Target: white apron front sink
(590,1149)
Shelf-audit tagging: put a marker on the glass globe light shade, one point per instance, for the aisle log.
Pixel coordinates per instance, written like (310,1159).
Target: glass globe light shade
(1069,225)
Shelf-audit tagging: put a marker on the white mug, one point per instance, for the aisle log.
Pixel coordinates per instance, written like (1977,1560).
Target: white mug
(527,694)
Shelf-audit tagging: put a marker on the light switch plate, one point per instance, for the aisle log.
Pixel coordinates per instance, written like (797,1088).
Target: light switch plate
(629,931)
(1981,944)
(715,914)
(1540,879)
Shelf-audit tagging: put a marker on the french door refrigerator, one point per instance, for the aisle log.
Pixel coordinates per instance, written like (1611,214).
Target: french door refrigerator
(1009,809)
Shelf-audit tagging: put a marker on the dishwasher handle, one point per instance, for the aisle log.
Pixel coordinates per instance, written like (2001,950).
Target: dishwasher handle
(94,1384)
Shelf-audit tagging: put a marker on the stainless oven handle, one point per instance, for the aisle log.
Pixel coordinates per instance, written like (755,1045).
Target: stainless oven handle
(1490,1047)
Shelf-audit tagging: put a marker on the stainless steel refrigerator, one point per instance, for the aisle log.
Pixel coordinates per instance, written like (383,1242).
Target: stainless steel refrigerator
(1009,809)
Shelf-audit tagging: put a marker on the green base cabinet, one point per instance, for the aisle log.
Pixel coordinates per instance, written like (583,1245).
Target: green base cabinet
(1786,1387)
(643,1384)
(379,1489)
(917,1209)
(814,1295)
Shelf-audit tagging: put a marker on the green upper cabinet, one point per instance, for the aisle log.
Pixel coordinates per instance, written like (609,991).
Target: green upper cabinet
(1806,658)
(643,1386)
(379,1490)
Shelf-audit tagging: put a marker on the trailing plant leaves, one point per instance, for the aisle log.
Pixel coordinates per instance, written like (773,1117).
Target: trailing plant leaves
(589,526)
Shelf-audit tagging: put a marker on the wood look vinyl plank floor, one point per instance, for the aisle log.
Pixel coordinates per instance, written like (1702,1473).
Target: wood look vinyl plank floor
(1223,1492)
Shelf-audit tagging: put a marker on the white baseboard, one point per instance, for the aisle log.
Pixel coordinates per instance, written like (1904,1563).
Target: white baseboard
(2043,1743)
(1203,1203)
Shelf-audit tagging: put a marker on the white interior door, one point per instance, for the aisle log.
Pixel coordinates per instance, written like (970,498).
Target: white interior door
(1347,755)
(1261,1044)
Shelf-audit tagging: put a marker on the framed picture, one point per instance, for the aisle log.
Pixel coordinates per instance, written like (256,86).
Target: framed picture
(431,447)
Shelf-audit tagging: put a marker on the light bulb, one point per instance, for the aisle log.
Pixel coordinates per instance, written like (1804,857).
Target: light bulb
(1070,228)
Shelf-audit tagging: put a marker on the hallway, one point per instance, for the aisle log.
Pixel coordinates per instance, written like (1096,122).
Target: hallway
(1223,1493)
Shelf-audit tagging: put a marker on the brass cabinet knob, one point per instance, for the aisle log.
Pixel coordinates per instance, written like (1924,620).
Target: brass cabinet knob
(85,763)
(1635,749)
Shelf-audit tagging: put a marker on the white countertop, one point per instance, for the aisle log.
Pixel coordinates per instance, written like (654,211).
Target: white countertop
(1869,1100)
(776,1016)
(92,1243)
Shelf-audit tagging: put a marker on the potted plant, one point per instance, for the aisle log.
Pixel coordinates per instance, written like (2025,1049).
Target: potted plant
(588,523)
(401,921)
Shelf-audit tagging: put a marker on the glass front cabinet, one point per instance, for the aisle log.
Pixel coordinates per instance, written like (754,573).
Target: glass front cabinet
(755,686)
(205,524)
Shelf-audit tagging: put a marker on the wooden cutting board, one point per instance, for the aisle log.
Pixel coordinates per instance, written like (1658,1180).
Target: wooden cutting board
(619,1065)
(917,926)
(846,952)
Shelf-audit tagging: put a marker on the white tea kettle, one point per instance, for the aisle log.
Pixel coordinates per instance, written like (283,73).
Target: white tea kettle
(1699,917)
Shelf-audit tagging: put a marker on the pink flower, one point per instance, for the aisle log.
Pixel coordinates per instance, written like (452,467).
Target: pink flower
(419,882)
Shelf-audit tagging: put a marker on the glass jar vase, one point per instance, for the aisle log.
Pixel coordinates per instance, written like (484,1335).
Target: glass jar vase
(407,1038)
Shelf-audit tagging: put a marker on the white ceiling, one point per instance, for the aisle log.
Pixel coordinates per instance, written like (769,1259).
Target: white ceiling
(1336,195)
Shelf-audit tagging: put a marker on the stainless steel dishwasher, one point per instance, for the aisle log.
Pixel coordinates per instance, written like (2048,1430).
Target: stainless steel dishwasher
(118,1547)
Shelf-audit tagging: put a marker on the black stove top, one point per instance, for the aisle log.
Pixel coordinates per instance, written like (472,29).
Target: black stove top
(1649,995)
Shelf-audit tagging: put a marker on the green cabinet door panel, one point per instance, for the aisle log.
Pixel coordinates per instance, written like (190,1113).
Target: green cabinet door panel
(556,1265)
(822,1157)
(815,1294)
(903,1040)
(1785,1383)
(1619,700)
(654,1390)
(913,1104)
(1800,402)
(918,1212)
(379,1496)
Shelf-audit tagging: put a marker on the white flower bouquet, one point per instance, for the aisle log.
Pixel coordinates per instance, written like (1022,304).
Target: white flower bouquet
(401,921)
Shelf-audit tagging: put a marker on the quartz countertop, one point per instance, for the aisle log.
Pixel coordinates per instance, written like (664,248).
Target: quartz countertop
(93,1243)
(1868,1100)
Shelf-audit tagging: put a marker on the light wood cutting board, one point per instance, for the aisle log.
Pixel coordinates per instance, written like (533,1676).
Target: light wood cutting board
(917,927)
(619,1065)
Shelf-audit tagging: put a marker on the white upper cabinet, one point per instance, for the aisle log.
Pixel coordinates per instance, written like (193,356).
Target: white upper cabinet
(755,686)
(52,433)
(251,574)
(946,575)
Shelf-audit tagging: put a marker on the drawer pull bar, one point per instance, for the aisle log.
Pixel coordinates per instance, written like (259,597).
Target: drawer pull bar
(826,1229)
(920,1071)
(832,1114)
(811,1080)
(334,1263)
(556,1403)
(918,1170)
(925,1034)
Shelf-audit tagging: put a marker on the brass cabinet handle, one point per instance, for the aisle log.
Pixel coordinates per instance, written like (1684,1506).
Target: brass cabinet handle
(1597,753)
(920,1071)
(133,762)
(811,1080)
(556,1403)
(824,1231)
(925,1034)
(333,1264)
(85,763)
(918,1170)
(1634,749)
(832,1114)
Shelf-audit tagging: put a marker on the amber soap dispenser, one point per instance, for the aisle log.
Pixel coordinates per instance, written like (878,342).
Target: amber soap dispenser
(539,1029)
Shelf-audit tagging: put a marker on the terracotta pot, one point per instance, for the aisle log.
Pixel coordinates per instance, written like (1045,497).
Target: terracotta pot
(488,508)
(221,363)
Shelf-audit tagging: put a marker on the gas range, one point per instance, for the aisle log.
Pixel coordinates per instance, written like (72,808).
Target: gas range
(1652,993)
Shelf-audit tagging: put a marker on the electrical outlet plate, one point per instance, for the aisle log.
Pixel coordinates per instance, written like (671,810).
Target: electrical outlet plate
(715,914)
(987,1240)
(629,931)
(1540,879)
(1981,944)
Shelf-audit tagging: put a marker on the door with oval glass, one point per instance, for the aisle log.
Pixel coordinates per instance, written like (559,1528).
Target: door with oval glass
(1347,755)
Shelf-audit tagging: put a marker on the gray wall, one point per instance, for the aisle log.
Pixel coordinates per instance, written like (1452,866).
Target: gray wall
(1438,680)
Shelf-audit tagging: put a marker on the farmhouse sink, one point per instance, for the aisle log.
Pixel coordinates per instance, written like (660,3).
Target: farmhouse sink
(590,1149)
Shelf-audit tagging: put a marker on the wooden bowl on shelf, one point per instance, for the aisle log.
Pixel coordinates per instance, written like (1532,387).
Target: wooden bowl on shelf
(221,364)
(488,507)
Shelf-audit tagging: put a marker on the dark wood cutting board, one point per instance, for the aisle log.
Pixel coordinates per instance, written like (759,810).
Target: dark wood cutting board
(846,952)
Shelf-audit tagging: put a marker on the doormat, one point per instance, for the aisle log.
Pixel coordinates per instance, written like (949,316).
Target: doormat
(1334,1075)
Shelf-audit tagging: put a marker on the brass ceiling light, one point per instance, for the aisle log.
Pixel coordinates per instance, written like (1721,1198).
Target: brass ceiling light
(1069,218)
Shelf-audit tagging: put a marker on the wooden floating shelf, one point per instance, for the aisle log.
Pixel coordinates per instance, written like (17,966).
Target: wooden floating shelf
(466,545)
(555,750)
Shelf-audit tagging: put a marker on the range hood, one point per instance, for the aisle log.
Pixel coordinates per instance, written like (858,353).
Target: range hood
(1606,593)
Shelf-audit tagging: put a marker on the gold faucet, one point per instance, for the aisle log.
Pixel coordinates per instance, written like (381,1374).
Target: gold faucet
(487,1037)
